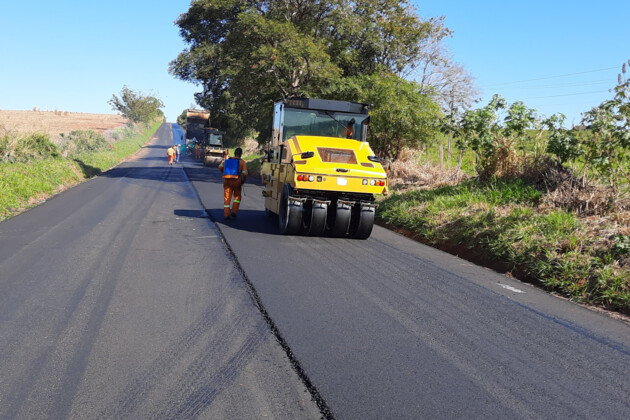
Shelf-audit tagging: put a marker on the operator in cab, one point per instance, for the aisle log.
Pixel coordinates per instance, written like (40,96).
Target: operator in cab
(348,131)
(234,175)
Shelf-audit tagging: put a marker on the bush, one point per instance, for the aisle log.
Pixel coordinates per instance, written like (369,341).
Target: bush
(81,141)
(27,149)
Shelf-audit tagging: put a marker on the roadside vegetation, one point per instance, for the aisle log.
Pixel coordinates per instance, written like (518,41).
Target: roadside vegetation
(526,196)
(32,167)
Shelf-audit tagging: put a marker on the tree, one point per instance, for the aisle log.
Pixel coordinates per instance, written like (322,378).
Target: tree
(602,142)
(247,53)
(455,91)
(496,140)
(136,107)
(181,119)
(449,82)
(400,116)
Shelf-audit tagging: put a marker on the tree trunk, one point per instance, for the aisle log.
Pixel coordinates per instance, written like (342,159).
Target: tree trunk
(460,158)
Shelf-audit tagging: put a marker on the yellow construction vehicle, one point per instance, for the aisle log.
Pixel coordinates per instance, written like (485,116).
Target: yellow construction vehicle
(320,175)
(214,152)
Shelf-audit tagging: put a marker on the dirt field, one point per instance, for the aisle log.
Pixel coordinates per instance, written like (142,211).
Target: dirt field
(56,122)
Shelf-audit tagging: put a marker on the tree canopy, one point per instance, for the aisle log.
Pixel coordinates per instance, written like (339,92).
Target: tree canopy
(135,106)
(245,54)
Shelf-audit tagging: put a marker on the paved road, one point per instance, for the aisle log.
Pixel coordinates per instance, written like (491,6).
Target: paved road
(389,328)
(118,300)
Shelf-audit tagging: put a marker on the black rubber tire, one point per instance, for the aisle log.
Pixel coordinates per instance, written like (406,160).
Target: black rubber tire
(290,215)
(340,222)
(314,219)
(362,222)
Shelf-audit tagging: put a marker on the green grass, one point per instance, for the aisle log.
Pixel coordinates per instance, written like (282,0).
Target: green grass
(102,160)
(24,183)
(500,224)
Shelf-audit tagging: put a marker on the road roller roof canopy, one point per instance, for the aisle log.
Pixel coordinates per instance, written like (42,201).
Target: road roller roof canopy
(326,105)
(319,117)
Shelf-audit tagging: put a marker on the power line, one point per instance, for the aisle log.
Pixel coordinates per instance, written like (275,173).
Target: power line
(560,86)
(568,94)
(552,77)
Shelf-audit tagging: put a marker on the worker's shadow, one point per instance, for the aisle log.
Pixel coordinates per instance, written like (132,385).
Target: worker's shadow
(255,221)
(247,220)
(193,214)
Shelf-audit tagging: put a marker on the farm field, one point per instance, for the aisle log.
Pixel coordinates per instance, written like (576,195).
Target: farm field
(56,122)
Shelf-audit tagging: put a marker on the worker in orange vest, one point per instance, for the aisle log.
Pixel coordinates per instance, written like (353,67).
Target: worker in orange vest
(234,176)
(170,152)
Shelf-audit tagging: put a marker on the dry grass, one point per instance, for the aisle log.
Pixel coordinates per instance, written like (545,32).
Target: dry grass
(407,173)
(251,147)
(54,123)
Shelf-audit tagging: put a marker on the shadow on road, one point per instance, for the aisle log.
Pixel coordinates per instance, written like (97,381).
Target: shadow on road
(255,221)
(156,146)
(193,214)
(157,173)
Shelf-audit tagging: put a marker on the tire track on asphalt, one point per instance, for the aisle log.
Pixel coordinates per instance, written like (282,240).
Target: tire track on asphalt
(44,359)
(109,268)
(212,328)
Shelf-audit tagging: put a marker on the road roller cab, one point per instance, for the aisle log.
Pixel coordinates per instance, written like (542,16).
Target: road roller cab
(214,152)
(320,175)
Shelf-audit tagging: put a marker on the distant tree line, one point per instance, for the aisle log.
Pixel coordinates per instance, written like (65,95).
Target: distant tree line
(245,54)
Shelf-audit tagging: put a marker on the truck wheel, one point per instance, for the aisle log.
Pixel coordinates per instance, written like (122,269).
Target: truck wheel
(362,221)
(314,218)
(340,222)
(290,213)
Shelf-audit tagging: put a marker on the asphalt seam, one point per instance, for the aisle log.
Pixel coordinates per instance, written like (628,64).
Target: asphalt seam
(325,411)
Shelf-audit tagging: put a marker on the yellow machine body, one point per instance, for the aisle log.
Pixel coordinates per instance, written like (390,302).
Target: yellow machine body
(337,165)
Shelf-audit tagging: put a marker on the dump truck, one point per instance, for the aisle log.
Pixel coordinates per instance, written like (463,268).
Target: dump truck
(197,123)
(214,152)
(320,175)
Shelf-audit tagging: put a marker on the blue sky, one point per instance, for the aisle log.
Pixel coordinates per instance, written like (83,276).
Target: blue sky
(71,55)
(554,55)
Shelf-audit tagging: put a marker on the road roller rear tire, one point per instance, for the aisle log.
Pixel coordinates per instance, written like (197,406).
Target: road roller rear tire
(314,219)
(340,220)
(290,214)
(362,222)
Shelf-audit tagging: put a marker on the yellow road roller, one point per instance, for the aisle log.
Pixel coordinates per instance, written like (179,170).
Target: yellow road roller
(320,175)
(214,152)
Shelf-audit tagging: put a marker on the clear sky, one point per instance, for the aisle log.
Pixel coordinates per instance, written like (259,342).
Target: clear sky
(73,55)
(554,55)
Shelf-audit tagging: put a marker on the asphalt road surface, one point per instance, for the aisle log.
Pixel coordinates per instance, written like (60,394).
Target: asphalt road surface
(387,328)
(120,298)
